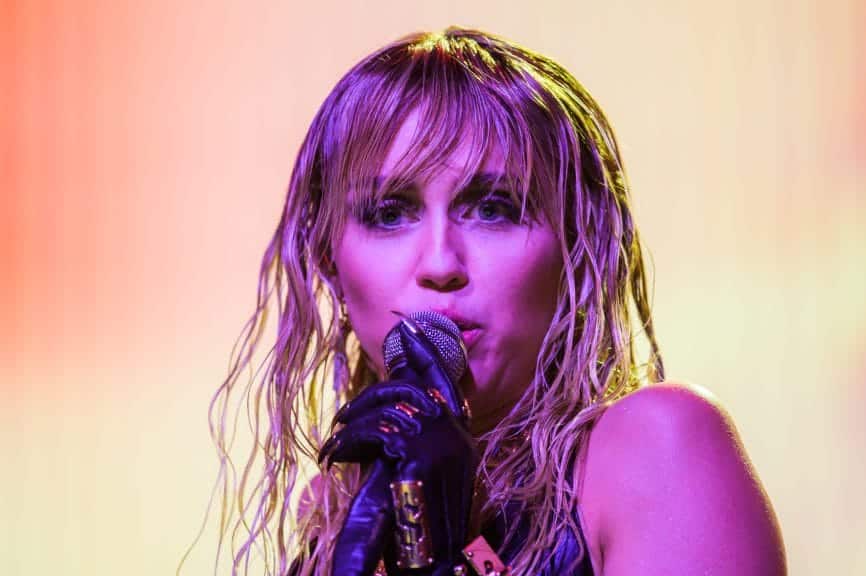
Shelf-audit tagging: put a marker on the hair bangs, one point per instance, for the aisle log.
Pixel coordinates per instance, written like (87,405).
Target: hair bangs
(461,107)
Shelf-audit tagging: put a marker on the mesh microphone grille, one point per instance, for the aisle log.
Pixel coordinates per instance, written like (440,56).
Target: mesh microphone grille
(442,332)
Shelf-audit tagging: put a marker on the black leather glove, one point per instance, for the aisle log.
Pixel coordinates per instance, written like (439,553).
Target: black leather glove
(411,428)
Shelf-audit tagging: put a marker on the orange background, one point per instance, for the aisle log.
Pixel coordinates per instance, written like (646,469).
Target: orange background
(145,150)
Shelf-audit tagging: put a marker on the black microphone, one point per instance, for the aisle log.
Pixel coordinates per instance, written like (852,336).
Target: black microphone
(434,342)
(444,336)
(427,349)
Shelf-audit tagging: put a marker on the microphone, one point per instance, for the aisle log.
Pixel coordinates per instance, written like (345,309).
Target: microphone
(419,335)
(424,349)
(444,336)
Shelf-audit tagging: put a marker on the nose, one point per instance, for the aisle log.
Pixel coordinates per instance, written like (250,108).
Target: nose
(441,264)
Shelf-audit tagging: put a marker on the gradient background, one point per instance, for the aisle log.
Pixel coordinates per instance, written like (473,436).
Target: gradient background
(145,151)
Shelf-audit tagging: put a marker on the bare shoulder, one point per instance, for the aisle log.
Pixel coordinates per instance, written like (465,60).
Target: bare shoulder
(669,489)
(664,410)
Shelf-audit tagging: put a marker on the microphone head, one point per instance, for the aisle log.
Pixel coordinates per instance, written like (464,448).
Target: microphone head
(442,333)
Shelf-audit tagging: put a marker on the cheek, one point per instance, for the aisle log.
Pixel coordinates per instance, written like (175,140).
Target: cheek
(530,294)
(366,279)
(546,276)
(534,283)
(547,268)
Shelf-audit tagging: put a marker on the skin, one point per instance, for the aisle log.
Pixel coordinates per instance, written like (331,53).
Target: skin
(668,489)
(445,250)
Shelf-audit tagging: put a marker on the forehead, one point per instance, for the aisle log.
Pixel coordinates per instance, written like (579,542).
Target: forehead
(464,158)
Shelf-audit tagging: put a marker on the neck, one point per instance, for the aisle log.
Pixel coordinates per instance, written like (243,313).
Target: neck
(483,422)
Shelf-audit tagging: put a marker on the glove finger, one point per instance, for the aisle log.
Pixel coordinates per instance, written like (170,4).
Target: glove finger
(424,361)
(391,449)
(386,393)
(368,524)
(405,417)
(368,438)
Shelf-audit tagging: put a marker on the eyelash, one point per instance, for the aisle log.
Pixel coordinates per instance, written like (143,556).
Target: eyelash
(371,215)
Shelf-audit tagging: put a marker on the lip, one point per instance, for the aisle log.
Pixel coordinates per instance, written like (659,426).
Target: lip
(470,330)
(465,324)
(470,337)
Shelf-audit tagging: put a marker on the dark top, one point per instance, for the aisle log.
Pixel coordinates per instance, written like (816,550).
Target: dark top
(567,551)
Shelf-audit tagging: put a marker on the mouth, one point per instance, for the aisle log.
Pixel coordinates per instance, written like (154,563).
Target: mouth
(469,329)
(470,336)
(463,323)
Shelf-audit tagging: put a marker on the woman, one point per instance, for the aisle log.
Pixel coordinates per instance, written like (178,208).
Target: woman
(462,174)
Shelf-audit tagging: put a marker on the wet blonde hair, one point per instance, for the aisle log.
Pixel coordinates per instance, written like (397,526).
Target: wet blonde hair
(564,159)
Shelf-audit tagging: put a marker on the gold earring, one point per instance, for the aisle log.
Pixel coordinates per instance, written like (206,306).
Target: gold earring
(341,361)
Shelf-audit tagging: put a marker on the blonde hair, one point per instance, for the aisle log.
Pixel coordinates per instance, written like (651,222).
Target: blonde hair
(565,159)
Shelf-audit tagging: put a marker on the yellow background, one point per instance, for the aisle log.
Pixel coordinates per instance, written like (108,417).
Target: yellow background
(145,150)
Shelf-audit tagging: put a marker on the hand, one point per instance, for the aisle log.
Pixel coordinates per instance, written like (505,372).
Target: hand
(412,428)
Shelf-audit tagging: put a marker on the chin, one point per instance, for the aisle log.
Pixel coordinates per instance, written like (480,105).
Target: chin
(468,385)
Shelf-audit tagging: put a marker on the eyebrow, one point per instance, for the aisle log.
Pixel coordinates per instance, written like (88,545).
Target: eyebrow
(478,181)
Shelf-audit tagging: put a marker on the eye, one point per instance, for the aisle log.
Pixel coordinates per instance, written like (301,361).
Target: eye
(496,208)
(388,213)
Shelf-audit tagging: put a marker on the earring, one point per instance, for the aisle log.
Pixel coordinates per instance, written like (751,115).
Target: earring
(341,361)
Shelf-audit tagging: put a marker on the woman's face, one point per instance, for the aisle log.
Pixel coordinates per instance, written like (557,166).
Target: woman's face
(454,251)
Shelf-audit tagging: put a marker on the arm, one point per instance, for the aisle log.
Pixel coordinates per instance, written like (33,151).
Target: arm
(672,490)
